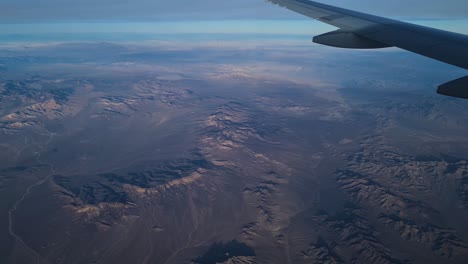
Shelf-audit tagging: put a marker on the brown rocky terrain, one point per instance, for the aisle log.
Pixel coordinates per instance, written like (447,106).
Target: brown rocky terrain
(143,162)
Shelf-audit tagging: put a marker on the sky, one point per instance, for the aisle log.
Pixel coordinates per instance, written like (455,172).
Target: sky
(32,11)
(58,20)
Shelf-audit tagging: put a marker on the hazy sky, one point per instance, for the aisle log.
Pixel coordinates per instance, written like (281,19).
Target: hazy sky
(14,11)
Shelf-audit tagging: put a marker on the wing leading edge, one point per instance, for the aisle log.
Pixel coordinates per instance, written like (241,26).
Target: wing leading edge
(364,31)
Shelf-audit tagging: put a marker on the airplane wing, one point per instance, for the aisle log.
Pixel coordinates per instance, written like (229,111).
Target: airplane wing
(363,31)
